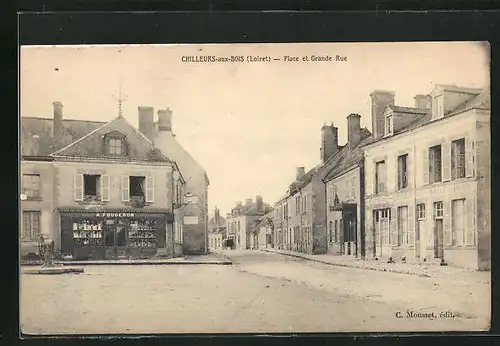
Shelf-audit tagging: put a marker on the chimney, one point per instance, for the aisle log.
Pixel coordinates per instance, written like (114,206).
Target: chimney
(300,172)
(217,216)
(329,142)
(165,120)
(260,203)
(146,121)
(423,101)
(353,130)
(57,126)
(380,101)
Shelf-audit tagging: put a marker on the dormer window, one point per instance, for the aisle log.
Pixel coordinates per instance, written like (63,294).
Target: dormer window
(115,146)
(388,125)
(437,107)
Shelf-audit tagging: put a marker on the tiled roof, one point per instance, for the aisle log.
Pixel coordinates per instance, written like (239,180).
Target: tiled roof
(137,146)
(212,223)
(347,159)
(482,100)
(399,109)
(42,127)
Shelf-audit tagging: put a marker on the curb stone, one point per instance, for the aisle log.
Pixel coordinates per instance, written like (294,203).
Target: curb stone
(396,271)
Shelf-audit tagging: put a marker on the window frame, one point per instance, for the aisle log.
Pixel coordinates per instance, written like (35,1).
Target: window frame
(421,209)
(402,174)
(38,184)
(455,158)
(31,235)
(389,129)
(379,176)
(438,210)
(432,164)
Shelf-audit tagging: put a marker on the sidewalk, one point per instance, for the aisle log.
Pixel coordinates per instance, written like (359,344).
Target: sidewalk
(423,270)
(214,259)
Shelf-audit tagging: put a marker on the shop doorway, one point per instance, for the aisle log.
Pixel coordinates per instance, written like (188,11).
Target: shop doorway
(115,240)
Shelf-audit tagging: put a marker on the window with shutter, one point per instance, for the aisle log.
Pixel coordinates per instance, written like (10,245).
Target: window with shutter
(78,187)
(125,188)
(469,157)
(470,205)
(105,186)
(446,161)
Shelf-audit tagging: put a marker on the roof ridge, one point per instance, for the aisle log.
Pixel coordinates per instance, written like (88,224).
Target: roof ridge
(87,121)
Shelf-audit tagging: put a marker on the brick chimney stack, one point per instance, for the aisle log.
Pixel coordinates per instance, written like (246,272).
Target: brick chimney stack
(146,121)
(260,203)
(329,142)
(380,100)
(165,120)
(300,172)
(57,126)
(353,129)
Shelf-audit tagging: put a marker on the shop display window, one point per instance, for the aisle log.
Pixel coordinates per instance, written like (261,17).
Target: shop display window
(142,233)
(88,232)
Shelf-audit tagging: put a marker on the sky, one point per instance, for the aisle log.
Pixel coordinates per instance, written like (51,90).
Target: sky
(249,124)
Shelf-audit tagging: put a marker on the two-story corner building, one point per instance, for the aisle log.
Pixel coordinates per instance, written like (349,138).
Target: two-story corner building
(241,219)
(39,137)
(196,187)
(345,194)
(113,194)
(427,177)
(217,231)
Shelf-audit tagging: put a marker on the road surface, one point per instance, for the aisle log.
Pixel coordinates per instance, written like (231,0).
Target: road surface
(260,293)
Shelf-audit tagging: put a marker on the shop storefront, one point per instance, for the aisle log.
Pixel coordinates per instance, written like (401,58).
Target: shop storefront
(113,234)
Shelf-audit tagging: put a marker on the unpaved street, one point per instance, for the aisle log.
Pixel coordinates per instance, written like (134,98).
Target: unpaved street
(260,293)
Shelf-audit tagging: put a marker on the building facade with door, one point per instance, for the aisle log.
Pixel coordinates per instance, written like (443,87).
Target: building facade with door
(427,176)
(345,195)
(113,194)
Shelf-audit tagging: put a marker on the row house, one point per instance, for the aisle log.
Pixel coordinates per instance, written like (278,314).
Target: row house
(160,133)
(217,232)
(300,220)
(104,190)
(427,178)
(240,221)
(344,185)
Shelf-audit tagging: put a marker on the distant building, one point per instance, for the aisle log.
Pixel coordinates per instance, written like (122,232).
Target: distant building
(240,221)
(428,180)
(217,231)
(196,188)
(262,236)
(98,190)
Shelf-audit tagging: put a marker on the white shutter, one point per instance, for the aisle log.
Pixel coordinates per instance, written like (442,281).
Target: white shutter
(448,233)
(470,224)
(425,167)
(469,157)
(411,225)
(150,191)
(409,172)
(78,187)
(125,188)
(105,183)
(446,161)
(393,227)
